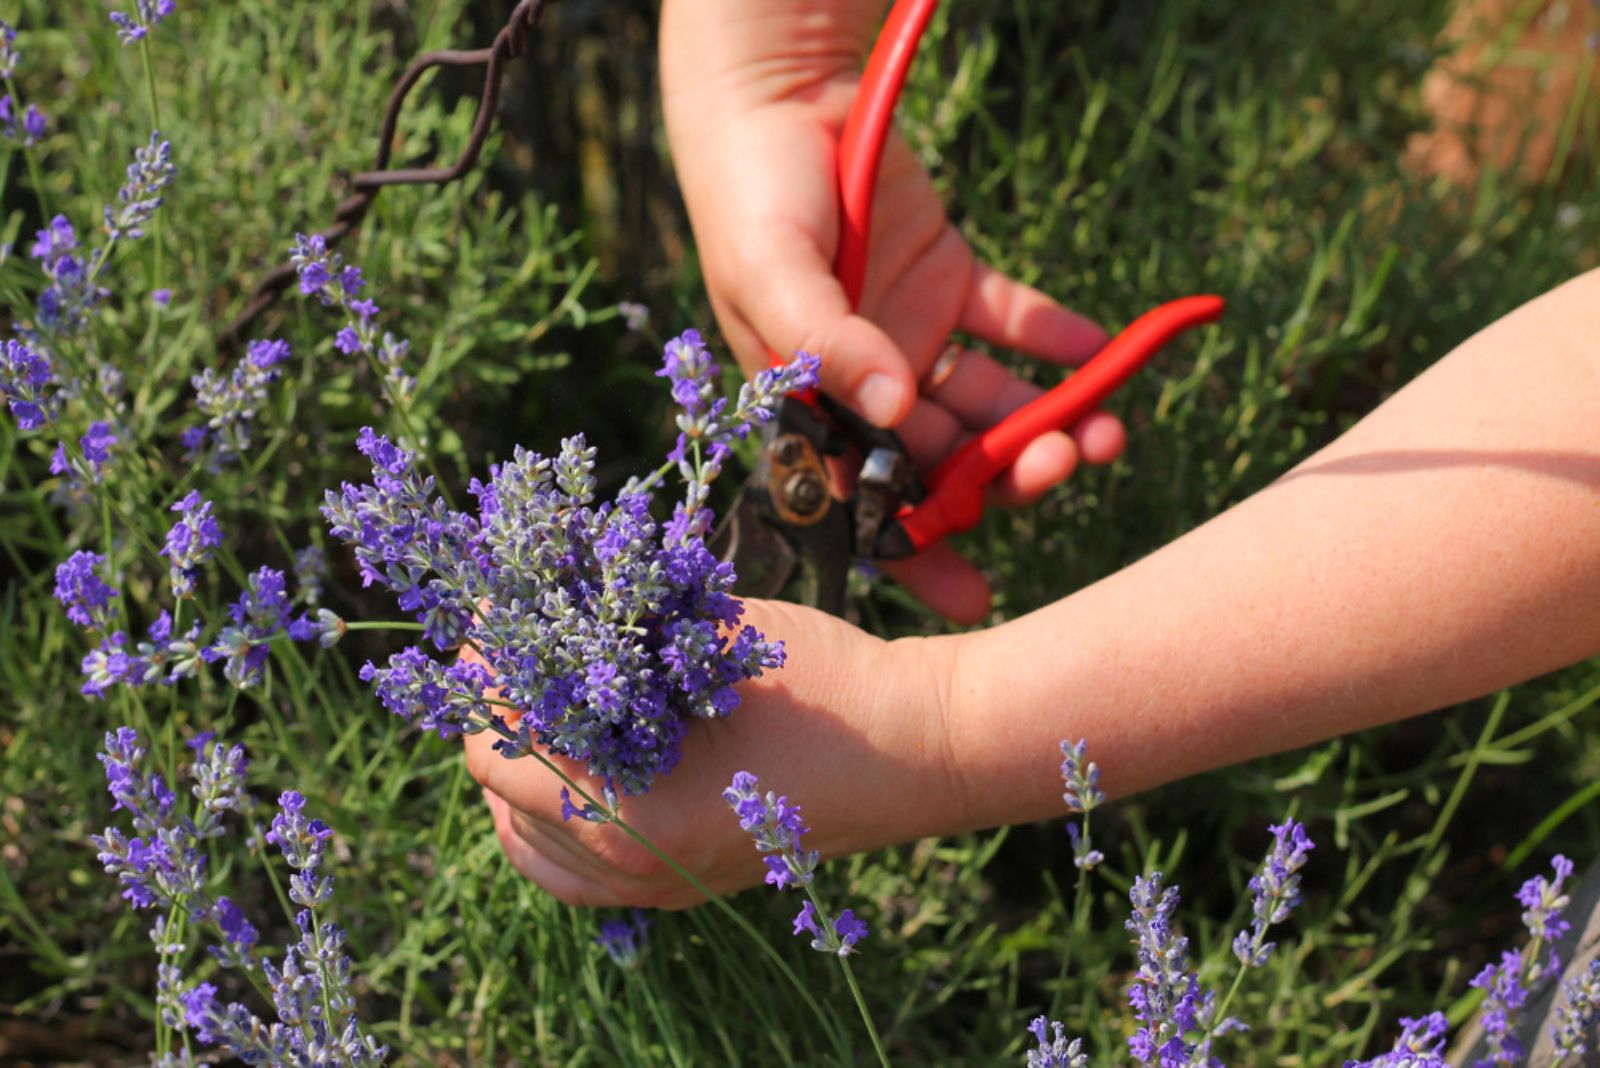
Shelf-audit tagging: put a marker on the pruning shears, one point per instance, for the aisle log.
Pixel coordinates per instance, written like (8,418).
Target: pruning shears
(786,515)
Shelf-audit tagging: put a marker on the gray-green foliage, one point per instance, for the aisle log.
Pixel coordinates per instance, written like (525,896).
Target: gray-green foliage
(1114,154)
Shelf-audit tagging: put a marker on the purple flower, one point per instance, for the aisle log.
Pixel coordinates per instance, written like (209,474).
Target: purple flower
(30,130)
(146,16)
(1420,1045)
(777,828)
(86,596)
(230,402)
(838,937)
(1508,984)
(261,614)
(624,939)
(1054,1050)
(24,379)
(8,51)
(309,987)
(151,171)
(1578,1013)
(190,543)
(65,302)
(319,268)
(161,298)
(1166,997)
(1083,794)
(1274,890)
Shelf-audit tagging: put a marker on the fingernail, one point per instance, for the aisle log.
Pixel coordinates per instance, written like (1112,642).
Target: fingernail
(878,398)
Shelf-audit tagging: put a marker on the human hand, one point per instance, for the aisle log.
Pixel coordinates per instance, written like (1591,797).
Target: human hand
(755,96)
(851,730)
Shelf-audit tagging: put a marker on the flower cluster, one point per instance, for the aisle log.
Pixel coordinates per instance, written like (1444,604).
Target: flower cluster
(151,171)
(1274,891)
(260,616)
(8,50)
(1508,984)
(1165,995)
(1055,1051)
(230,402)
(64,304)
(1083,794)
(607,631)
(29,128)
(1420,1045)
(164,866)
(85,595)
(94,450)
(777,828)
(146,16)
(624,938)
(324,274)
(25,379)
(1578,1013)
(190,543)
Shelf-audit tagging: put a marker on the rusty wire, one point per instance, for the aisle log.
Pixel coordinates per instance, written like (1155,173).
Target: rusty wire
(510,43)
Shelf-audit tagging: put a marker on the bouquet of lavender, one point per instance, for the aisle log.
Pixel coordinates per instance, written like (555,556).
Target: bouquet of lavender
(600,631)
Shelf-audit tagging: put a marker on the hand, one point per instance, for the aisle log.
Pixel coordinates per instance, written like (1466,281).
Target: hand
(851,730)
(755,96)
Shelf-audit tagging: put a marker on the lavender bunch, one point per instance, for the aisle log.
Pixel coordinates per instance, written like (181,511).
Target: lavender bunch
(604,631)
(164,866)
(1083,795)
(146,16)
(1508,984)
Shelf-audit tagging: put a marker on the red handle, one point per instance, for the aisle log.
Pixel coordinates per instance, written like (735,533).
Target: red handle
(956,501)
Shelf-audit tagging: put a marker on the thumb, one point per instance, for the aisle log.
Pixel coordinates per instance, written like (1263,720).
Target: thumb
(792,302)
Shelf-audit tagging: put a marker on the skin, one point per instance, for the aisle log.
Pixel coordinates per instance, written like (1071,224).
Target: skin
(1445,547)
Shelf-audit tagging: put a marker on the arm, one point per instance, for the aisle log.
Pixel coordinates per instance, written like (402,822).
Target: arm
(1446,546)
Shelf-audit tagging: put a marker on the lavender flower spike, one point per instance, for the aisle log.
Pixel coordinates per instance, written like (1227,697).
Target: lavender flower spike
(1055,1051)
(624,939)
(191,543)
(1275,891)
(1165,995)
(151,171)
(776,827)
(8,51)
(1083,794)
(25,377)
(85,595)
(147,15)
(1577,1015)
(1420,1045)
(1508,983)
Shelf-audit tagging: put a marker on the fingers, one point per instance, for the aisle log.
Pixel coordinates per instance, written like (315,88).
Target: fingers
(1013,315)
(792,302)
(944,581)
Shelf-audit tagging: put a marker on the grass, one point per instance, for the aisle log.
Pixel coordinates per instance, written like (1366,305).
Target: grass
(1116,155)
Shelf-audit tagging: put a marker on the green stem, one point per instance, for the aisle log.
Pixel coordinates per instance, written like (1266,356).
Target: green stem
(155,126)
(716,899)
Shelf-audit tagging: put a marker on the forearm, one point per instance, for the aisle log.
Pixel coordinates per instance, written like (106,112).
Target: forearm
(1446,546)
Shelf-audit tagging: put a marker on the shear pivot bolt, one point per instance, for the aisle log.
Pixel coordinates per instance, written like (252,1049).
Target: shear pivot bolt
(805,492)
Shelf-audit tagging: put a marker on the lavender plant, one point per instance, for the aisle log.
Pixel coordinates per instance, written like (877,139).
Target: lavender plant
(164,867)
